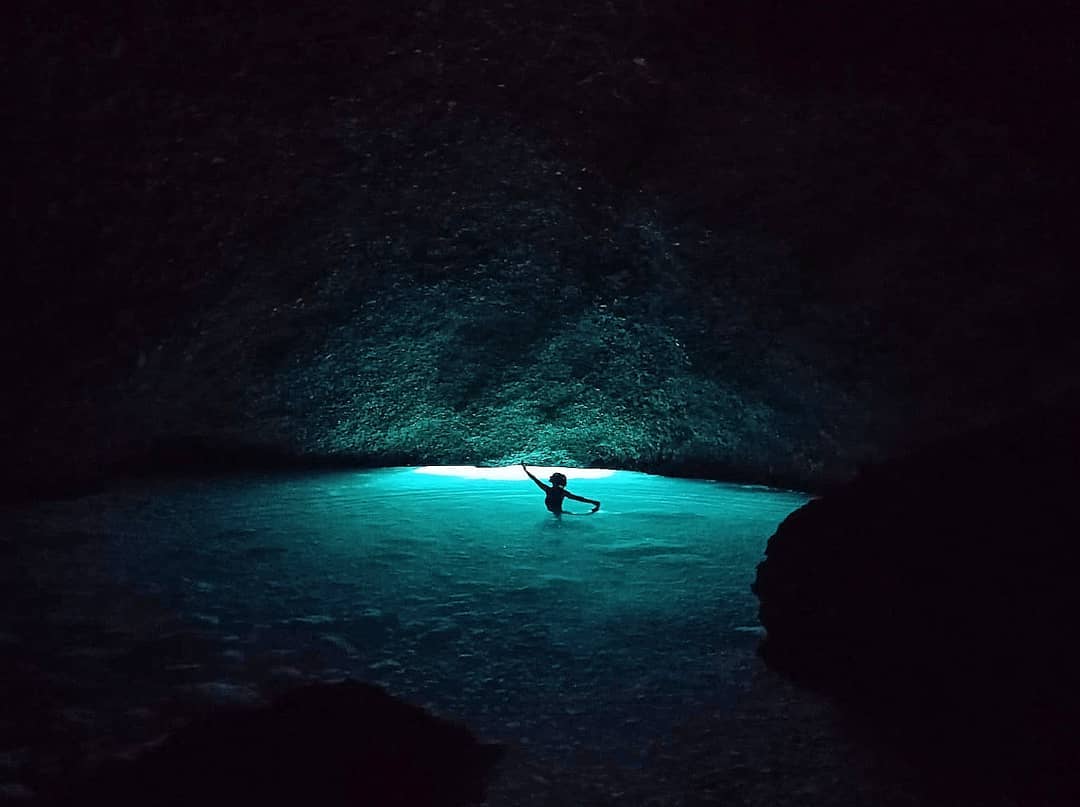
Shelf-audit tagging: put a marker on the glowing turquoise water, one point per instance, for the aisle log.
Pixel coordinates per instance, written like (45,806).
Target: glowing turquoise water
(592,633)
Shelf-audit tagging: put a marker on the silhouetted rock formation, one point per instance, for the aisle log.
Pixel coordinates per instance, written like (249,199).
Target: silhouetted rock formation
(938,595)
(328,744)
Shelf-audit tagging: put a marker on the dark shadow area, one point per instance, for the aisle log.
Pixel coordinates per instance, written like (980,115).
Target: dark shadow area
(935,597)
(328,744)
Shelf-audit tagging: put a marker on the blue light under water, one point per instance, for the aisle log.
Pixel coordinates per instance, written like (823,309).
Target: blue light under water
(455,591)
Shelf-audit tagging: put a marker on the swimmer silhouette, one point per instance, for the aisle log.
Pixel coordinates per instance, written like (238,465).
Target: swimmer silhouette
(556,492)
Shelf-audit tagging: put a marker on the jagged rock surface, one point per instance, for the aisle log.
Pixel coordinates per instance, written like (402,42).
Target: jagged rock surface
(630,233)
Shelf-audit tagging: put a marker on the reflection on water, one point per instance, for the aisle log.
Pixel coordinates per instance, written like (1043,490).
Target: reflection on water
(130,610)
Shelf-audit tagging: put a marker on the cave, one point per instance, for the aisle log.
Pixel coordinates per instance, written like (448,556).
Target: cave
(296,291)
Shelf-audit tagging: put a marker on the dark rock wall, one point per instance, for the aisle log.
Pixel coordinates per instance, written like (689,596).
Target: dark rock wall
(618,233)
(331,744)
(935,596)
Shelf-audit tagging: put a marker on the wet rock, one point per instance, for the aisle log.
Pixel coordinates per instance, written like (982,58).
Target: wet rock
(937,595)
(339,744)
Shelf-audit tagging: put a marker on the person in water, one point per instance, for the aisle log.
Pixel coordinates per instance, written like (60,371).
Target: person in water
(556,492)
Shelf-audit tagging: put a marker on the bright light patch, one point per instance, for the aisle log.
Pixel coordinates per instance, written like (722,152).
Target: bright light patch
(513,472)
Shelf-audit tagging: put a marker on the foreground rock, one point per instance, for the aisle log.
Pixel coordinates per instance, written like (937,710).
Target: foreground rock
(937,595)
(338,744)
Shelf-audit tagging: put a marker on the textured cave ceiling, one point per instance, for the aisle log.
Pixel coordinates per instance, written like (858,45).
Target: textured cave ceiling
(611,233)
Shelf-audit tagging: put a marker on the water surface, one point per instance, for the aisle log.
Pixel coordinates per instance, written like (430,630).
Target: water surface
(129,611)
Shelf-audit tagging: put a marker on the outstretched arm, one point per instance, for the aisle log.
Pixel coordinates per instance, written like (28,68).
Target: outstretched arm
(593,502)
(539,484)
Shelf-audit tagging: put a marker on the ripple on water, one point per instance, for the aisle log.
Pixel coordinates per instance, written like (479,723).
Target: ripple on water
(597,632)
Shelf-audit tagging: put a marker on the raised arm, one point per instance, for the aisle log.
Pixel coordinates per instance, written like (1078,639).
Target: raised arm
(539,484)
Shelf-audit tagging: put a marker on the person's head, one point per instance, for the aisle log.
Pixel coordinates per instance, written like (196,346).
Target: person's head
(558,479)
